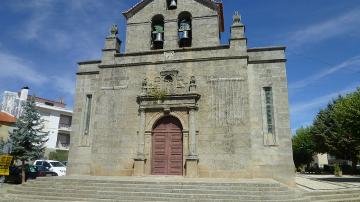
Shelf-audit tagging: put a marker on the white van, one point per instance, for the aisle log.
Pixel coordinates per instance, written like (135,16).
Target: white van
(54,166)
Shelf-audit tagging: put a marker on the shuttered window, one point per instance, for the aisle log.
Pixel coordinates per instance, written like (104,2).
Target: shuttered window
(269,109)
(87,113)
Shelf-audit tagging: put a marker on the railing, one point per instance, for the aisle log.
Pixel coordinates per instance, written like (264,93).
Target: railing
(65,127)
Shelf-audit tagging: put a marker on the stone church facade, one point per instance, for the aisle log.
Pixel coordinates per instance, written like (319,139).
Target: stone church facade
(178,102)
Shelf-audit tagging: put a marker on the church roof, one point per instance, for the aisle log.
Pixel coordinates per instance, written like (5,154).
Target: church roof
(7,119)
(137,7)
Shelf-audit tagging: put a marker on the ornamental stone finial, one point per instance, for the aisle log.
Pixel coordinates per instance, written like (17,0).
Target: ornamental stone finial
(192,86)
(236,18)
(114,30)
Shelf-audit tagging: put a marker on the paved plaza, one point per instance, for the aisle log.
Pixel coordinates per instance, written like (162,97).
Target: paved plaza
(327,182)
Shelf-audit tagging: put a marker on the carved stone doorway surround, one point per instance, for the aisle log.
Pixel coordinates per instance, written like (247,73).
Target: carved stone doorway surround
(181,106)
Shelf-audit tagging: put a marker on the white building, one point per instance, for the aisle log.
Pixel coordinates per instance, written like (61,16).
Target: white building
(320,160)
(57,119)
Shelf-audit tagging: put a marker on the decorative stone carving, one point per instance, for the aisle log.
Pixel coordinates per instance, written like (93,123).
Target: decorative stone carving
(169,55)
(169,73)
(168,83)
(114,30)
(237,18)
(192,86)
(145,83)
(144,86)
(180,82)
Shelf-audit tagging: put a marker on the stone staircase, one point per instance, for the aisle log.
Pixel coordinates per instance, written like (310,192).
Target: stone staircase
(345,195)
(151,189)
(106,189)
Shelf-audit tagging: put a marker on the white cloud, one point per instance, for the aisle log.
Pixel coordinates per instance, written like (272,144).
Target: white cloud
(71,28)
(16,68)
(302,113)
(304,107)
(34,26)
(333,27)
(39,12)
(13,67)
(64,84)
(352,64)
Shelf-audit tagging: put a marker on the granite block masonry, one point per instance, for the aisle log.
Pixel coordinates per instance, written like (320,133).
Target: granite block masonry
(178,102)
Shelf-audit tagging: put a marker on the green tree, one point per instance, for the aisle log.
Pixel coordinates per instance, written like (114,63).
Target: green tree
(336,129)
(28,139)
(326,132)
(347,114)
(303,147)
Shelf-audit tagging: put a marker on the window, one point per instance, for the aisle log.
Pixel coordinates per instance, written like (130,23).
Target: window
(171,4)
(65,121)
(87,113)
(46,164)
(38,163)
(157,32)
(269,109)
(56,164)
(63,141)
(185,29)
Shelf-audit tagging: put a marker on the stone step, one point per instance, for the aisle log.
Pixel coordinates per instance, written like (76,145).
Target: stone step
(112,195)
(22,198)
(153,190)
(156,186)
(341,191)
(149,189)
(340,200)
(334,196)
(167,183)
(158,180)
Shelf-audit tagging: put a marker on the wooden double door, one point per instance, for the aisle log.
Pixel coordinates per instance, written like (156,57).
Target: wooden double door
(167,147)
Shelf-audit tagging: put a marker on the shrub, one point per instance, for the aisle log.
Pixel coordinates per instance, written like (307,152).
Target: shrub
(337,170)
(59,155)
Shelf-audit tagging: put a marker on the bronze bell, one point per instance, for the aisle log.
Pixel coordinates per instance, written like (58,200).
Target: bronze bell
(173,4)
(159,37)
(185,34)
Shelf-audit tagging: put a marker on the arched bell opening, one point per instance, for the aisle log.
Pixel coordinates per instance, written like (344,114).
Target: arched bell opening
(157,32)
(167,147)
(185,29)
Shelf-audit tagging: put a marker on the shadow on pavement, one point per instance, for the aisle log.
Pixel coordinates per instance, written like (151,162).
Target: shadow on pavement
(338,179)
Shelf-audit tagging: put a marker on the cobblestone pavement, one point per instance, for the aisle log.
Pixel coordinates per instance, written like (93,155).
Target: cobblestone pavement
(327,182)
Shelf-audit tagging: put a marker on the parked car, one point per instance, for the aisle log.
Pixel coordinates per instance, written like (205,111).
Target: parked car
(64,162)
(45,172)
(54,166)
(15,174)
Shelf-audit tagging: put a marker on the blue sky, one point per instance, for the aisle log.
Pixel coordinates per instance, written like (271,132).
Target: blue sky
(41,41)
